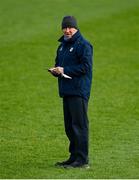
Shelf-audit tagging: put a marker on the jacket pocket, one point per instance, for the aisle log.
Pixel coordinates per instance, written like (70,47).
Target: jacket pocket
(77,82)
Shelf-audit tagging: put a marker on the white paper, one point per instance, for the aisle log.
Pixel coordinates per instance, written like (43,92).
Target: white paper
(66,76)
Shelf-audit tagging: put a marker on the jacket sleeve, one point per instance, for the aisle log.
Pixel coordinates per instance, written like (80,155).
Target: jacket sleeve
(56,59)
(56,64)
(85,53)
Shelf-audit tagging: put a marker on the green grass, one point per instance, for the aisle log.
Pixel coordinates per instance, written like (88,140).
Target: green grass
(32,136)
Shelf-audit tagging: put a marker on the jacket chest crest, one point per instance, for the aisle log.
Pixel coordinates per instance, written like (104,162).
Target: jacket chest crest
(71,49)
(61,48)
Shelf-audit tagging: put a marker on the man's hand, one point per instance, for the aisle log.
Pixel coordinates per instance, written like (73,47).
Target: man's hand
(57,70)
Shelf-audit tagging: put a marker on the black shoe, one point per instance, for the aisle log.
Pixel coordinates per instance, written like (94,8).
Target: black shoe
(63,163)
(77,164)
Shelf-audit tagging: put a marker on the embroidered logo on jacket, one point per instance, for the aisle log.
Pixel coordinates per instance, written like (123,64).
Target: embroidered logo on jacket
(71,49)
(61,49)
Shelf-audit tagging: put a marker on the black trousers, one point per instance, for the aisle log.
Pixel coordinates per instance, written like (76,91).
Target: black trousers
(76,127)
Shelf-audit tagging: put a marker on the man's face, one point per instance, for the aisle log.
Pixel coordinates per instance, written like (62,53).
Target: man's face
(69,32)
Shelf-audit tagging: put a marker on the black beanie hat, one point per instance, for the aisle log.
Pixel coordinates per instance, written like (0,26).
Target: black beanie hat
(69,21)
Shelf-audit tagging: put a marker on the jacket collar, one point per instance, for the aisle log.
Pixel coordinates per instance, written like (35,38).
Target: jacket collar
(74,37)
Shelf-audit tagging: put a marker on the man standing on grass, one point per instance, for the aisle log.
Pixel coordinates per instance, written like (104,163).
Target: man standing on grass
(74,58)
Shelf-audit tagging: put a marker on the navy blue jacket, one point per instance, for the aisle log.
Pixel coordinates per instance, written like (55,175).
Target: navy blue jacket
(75,56)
